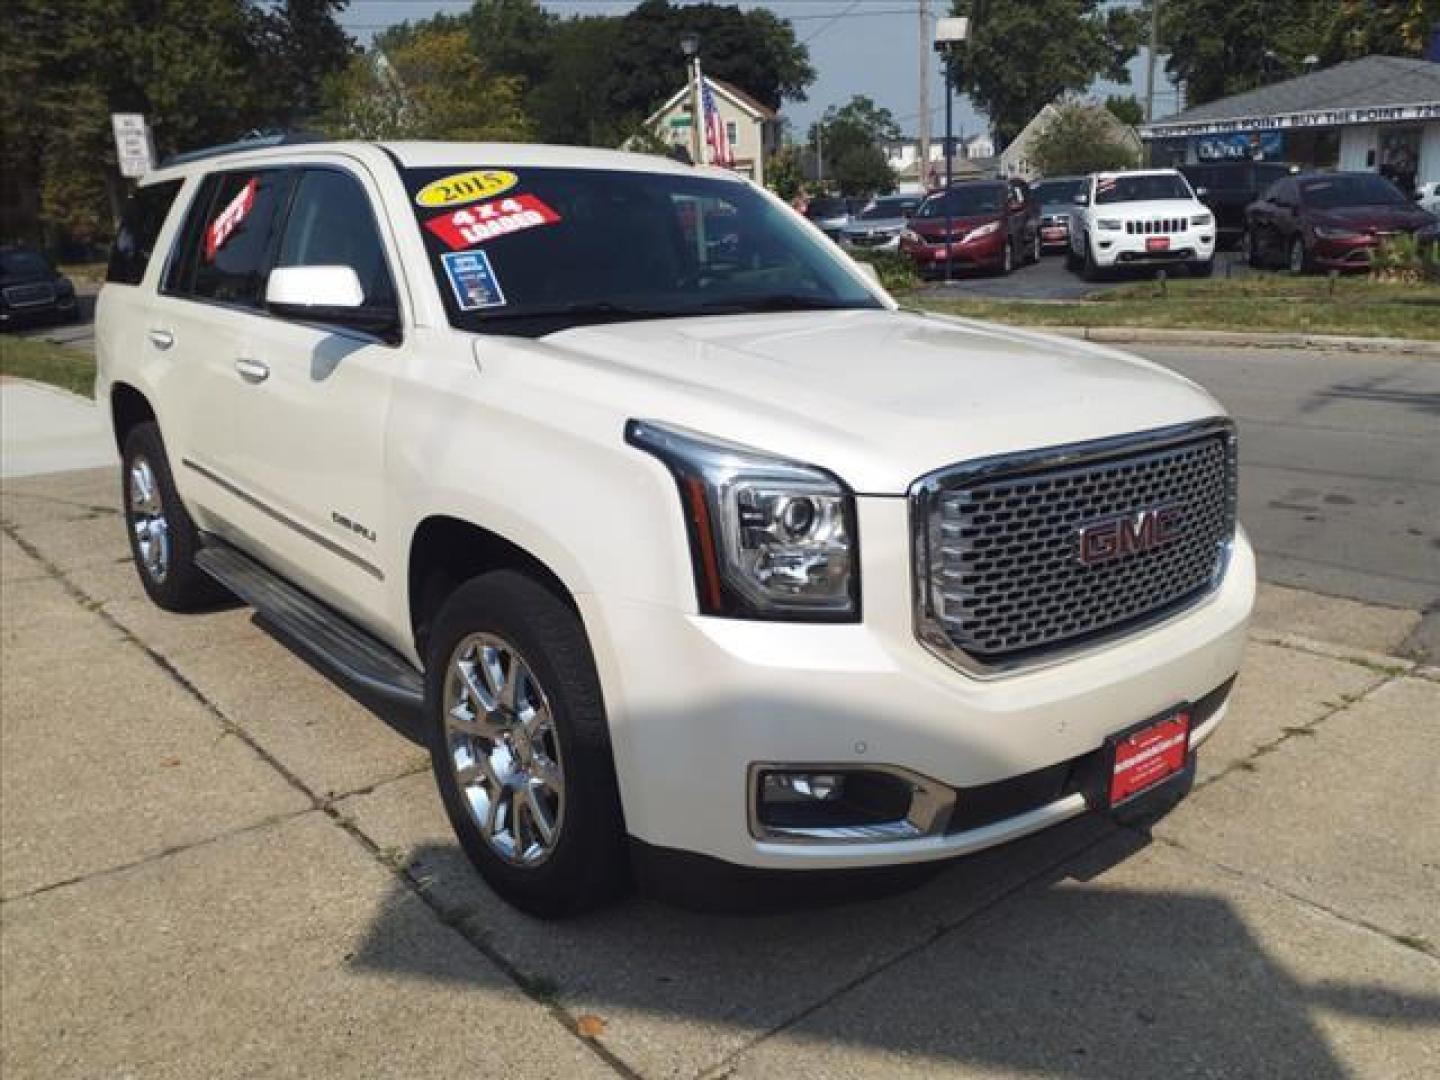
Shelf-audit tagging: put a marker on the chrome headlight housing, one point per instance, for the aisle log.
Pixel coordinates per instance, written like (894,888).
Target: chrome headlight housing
(770,538)
(1109,224)
(1201,221)
(1330,232)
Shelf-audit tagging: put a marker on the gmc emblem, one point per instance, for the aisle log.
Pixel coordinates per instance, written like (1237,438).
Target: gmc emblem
(1129,534)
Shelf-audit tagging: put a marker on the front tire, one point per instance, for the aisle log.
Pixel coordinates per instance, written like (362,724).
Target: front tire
(163,539)
(520,746)
(1090,269)
(1202,269)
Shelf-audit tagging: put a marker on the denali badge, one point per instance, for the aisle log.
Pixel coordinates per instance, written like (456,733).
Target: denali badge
(1129,534)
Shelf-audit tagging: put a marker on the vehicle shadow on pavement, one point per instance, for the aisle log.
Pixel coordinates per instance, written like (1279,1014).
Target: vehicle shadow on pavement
(1009,961)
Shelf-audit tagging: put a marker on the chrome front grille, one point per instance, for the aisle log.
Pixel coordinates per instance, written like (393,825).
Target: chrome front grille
(1155,227)
(1000,582)
(26,295)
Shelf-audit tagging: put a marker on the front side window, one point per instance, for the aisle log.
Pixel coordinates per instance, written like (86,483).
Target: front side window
(1140,187)
(229,236)
(331,224)
(140,223)
(529,251)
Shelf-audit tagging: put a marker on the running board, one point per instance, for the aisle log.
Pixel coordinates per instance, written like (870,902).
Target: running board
(312,628)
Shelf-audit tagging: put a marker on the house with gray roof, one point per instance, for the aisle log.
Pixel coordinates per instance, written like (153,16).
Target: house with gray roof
(1378,113)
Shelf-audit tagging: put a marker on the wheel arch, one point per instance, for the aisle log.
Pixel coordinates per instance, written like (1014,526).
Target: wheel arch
(128,408)
(447,551)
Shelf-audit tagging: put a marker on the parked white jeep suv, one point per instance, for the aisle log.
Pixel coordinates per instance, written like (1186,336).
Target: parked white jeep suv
(1150,217)
(693,548)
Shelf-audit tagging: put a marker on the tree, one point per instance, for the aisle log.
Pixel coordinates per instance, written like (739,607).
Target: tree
(1222,47)
(850,137)
(429,86)
(783,172)
(1388,27)
(1024,54)
(202,72)
(1126,109)
(1081,139)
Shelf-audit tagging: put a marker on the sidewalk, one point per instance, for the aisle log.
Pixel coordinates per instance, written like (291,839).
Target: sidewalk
(213,862)
(48,430)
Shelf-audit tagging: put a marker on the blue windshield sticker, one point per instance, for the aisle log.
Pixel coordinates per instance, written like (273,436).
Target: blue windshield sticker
(472,280)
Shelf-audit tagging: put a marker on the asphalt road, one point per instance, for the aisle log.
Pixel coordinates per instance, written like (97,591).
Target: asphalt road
(1340,466)
(1049,280)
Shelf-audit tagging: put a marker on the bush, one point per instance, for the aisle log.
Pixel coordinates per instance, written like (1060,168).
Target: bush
(897,272)
(1400,259)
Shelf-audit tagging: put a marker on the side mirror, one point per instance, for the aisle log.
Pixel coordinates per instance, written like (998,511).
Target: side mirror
(868,269)
(1201,192)
(1082,200)
(327,294)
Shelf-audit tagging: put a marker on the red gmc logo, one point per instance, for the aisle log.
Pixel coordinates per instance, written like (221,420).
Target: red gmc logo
(1129,534)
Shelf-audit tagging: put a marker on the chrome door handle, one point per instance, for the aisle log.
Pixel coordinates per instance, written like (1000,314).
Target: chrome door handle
(161,339)
(252,371)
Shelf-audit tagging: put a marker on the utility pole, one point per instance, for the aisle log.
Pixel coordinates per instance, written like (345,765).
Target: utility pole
(949,34)
(925,62)
(1150,60)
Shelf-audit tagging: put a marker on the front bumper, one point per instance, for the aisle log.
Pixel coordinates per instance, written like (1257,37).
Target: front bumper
(695,703)
(988,251)
(1350,254)
(1116,248)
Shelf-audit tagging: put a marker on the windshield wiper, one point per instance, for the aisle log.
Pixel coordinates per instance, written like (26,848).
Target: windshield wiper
(780,302)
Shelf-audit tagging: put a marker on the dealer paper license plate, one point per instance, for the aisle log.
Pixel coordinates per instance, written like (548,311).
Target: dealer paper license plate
(1148,755)
(1157,243)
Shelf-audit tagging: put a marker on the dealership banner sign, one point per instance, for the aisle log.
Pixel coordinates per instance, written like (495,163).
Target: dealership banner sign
(1240,146)
(1377,114)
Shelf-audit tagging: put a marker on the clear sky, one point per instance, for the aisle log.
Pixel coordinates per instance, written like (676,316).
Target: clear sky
(867,47)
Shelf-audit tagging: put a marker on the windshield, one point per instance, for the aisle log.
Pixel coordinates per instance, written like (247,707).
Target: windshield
(883,209)
(1329,192)
(1058,191)
(964,202)
(23,264)
(530,251)
(1140,187)
(827,208)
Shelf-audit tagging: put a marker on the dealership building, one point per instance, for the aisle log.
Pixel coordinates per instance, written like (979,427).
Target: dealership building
(1377,114)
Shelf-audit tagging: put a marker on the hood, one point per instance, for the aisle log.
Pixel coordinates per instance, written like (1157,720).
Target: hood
(936,226)
(1366,218)
(1149,208)
(879,397)
(875,225)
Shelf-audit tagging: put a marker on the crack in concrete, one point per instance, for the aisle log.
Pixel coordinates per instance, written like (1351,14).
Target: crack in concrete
(326,806)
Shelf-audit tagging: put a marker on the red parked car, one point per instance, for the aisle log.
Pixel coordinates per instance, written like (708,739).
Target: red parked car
(1327,221)
(994,225)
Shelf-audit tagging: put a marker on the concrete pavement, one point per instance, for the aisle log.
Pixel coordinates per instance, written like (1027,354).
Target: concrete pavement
(50,430)
(215,862)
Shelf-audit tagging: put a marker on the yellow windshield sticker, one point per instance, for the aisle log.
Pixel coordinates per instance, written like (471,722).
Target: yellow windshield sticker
(466,187)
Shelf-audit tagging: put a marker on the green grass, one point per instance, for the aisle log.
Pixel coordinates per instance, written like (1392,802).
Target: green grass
(92,272)
(1263,303)
(44,361)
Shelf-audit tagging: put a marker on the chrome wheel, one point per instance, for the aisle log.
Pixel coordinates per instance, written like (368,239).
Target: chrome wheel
(503,749)
(147,520)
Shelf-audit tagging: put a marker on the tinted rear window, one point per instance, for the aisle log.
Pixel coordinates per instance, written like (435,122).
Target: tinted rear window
(140,225)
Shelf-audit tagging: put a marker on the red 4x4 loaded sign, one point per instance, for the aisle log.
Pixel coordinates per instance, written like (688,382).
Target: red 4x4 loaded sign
(475,224)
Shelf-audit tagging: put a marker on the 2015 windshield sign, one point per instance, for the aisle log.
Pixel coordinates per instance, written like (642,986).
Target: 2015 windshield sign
(466,187)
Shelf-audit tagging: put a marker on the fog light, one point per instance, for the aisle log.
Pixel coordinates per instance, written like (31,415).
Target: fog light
(795,799)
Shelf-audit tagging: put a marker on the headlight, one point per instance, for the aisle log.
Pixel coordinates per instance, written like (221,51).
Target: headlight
(1109,224)
(909,236)
(982,232)
(1329,232)
(1201,221)
(769,538)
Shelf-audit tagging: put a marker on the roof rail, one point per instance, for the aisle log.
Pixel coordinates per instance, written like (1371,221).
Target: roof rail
(254,140)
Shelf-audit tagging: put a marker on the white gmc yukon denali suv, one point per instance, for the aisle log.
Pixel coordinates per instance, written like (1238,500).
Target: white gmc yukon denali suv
(699,557)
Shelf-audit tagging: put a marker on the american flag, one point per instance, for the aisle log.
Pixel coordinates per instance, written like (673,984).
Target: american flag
(715,135)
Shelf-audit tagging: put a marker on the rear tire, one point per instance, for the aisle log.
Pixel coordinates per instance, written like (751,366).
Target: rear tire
(527,780)
(1249,252)
(163,539)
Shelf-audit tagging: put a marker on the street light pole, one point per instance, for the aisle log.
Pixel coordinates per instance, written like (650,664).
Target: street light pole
(948,33)
(690,46)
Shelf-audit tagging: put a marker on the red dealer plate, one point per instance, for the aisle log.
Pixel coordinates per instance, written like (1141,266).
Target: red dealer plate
(1157,243)
(1148,755)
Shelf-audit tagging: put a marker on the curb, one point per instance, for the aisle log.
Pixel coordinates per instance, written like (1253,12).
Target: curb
(1139,335)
